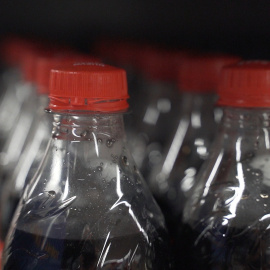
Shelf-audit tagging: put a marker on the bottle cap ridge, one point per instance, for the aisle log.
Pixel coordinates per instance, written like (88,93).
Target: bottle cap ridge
(46,63)
(88,86)
(246,84)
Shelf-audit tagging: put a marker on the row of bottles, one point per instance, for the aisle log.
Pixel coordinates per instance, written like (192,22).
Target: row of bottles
(198,131)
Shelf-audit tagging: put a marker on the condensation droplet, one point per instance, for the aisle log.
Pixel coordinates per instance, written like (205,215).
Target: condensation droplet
(99,168)
(125,160)
(99,140)
(264,195)
(110,142)
(84,133)
(52,193)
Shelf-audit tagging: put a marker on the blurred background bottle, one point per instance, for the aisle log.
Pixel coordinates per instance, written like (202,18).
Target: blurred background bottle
(226,219)
(171,180)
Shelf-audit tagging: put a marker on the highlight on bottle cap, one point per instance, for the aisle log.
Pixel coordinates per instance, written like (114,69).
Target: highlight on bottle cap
(47,62)
(200,73)
(88,87)
(246,84)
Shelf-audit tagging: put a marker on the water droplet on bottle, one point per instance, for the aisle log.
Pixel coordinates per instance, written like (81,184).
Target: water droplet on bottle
(99,168)
(110,142)
(48,110)
(84,133)
(264,194)
(99,140)
(125,160)
(245,195)
(101,164)
(52,193)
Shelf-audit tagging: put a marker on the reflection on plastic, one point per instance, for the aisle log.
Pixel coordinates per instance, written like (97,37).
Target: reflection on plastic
(87,206)
(226,220)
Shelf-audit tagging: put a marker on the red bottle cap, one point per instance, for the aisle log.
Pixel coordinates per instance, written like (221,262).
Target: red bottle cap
(14,48)
(160,64)
(201,73)
(89,86)
(120,52)
(246,84)
(46,63)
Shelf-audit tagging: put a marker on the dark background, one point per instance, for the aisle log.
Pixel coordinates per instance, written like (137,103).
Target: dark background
(240,27)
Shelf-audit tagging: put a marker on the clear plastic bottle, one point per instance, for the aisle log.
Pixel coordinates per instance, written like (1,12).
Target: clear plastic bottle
(226,219)
(155,114)
(38,135)
(12,147)
(188,145)
(15,90)
(87,207)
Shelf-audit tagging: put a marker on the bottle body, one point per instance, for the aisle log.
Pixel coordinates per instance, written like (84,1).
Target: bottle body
(28,163)
(154,120)
(172,178)
(87,205)
(226,219)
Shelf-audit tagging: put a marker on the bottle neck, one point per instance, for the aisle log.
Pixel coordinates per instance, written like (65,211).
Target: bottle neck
(74,126)
(250,119)
(197,101)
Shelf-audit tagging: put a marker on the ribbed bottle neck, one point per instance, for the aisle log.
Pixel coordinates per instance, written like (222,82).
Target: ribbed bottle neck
(74,126)
(246,118)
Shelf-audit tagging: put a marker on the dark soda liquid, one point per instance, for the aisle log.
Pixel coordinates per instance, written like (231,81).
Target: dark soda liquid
(223,248)
(35,252)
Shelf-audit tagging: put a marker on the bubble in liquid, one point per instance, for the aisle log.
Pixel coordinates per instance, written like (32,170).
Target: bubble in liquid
(52,193)
(125,160)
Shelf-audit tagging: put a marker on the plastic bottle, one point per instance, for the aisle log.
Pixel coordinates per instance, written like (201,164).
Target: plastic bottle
(87,206)
(188,145)
(38,135)
(155,115)
(226,219)
(14,89)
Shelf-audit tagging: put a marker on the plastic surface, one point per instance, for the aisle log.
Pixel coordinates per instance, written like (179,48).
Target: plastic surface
(44,65)
(87,206)
(70,88)
(24,169)
(246,84)
(200,73)
(226,220)
(155,119)
(172,176)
